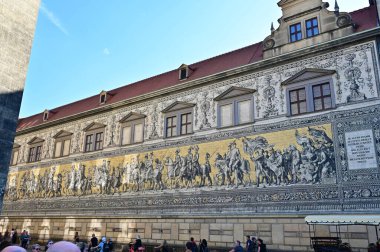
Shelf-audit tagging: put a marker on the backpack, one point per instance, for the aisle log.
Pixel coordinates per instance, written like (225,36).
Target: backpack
(106,247)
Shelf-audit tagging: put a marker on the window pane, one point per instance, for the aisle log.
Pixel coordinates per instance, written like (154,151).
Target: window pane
(99,141)
(315,22)
(226,115)
(294,109)
(31,154)
(15,157)
(326,89)
(66,147)
(244,111)
(317,91)
(298,27)
(327,102)
(318,104)
(293,96)
(316,31)
(138,133)
(88,146)
(58,147)
(302,94)
(303,108)
(38,153)
(126,135)
(184,129)
(308,24)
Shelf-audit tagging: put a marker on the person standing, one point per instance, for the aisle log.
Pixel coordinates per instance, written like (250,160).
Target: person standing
(93,242)
(254,244)
(262,246)
(14,237)
(137,244)
(203,246)
(76,237)
(25,240)
(249,244)
(194,247)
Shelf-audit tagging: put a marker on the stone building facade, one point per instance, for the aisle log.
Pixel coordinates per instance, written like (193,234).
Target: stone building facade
(245,143)
(17,24)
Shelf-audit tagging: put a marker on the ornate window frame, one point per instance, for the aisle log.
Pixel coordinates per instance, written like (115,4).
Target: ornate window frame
(307,79)
(233,96)
(175,112)
(131,120)
(61,138)
(35,149)
(93,132)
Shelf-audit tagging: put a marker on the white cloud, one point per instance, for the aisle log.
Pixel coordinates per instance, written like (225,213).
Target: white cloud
(53,19)
(106,51)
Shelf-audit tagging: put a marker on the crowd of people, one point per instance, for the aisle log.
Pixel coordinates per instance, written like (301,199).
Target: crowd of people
(13,242)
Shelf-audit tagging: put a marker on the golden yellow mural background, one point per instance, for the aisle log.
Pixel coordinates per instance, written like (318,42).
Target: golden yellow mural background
(280,140)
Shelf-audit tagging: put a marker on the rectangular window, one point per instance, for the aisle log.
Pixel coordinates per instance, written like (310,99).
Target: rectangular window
(171,126)
(99,141)
(186,124)
(89,143)
(226,115)
(298,101)
(14,157)
(244,111)
(295,32)
(138,135)
(126,137)
(312,27)
(183,73)
(322,97)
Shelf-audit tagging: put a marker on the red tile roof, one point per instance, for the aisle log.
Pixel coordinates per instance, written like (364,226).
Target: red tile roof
(364,18)
(201,69)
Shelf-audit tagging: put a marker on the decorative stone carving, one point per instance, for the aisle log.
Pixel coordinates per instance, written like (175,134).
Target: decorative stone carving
(344,20)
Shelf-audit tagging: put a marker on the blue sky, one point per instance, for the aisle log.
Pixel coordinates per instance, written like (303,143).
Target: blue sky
(83,47)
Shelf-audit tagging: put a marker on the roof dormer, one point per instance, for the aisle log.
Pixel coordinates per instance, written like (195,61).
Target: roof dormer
(103,97)
(184,72)
(46,115)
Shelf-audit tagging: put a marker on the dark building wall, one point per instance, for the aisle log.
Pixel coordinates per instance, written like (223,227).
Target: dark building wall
(18,20)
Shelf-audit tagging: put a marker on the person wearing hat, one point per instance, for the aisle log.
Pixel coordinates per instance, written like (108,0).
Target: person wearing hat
(237,248)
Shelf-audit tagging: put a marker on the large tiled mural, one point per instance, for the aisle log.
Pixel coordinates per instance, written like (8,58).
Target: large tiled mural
(285,158)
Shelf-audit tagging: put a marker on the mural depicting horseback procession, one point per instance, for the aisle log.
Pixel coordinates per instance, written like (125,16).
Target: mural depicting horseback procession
(267,160)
